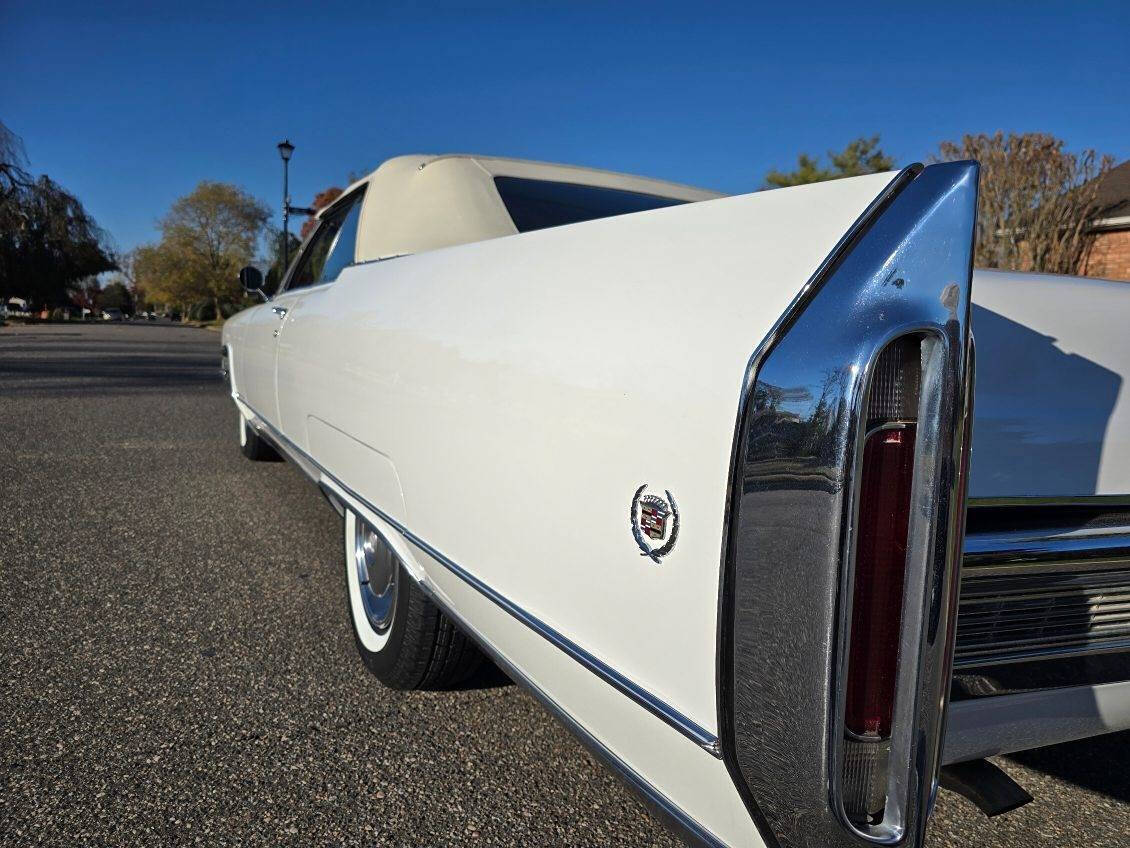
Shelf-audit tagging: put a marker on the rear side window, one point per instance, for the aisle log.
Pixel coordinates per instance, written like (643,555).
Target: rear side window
(537,204)
(332,246)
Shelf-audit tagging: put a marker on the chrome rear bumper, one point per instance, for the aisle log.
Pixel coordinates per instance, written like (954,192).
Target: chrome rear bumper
(1043,584)
(1042,653)
(985,727)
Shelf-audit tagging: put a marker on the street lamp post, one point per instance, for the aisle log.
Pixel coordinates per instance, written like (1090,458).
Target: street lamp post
(286,150)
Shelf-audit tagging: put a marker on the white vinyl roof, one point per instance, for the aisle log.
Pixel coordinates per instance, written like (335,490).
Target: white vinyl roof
(424,202)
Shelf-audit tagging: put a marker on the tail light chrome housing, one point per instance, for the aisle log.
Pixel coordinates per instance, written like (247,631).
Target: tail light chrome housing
(845,528)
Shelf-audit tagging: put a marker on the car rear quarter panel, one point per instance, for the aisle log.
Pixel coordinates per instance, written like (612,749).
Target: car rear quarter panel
(522,389)
(525,387)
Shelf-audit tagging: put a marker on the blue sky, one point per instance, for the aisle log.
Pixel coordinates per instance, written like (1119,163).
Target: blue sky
(130,105)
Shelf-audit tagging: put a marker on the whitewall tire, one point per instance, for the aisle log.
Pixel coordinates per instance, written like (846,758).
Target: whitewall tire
(253,446)
(402,637)
(371,571)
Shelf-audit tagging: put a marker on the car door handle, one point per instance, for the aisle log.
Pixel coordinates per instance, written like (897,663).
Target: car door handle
(279,310)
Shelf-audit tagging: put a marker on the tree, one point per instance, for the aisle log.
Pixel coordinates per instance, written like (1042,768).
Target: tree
(115,294)
(47,239)
(12,159)
(321,200)
(275,258)
(155,276)
(862,156)
(86,294)
(276,270)
(206,237)
(1034,202)
(127,274)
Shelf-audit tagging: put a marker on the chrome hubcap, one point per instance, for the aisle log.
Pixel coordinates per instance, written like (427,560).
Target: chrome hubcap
(376,572)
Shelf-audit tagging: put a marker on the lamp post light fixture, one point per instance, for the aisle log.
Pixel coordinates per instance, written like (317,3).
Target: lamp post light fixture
(286,150)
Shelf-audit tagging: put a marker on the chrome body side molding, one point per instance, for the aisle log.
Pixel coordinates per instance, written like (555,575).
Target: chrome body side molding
(702,737)
(905,268)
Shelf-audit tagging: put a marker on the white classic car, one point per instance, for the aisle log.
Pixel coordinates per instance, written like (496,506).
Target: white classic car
(696,471)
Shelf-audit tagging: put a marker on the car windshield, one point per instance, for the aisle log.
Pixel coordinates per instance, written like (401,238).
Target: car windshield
(538,204)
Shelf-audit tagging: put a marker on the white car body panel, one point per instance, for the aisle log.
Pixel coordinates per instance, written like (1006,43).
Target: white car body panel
(491,407)
(253,359)
(1041,336)
(482,410)
(661,756)
(514,421)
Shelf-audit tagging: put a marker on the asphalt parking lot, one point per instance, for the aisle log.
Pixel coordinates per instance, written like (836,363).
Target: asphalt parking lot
(178,667)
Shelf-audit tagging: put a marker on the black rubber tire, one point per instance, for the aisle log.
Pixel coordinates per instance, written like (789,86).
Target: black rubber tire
(425,649)
(254,447)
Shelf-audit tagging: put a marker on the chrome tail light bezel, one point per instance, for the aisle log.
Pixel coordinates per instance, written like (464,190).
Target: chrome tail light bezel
(905,268)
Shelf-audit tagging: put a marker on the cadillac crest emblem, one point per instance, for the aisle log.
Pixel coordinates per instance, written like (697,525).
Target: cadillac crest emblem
(655,519)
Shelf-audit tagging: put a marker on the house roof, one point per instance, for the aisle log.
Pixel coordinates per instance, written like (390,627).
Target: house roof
(1113,197)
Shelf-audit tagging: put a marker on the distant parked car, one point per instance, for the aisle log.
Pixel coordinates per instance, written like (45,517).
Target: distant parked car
(111,314)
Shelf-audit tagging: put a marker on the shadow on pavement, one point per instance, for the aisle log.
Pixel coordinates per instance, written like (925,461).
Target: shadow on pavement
(59,375)
(1098,764)
(488,676)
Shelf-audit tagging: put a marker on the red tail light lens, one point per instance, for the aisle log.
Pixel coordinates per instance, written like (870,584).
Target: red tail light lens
(886,476)
(880,568)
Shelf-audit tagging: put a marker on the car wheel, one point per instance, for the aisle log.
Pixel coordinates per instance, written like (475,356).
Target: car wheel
(403,638)
(255,447)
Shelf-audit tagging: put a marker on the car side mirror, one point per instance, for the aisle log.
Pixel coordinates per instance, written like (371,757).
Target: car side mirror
(251,278)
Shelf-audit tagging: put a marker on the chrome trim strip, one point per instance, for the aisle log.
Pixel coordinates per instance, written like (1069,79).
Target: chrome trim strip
(971,660)
(1066,500)
(1021,551)
(706,740)
(905,270)
(378,259)
(1051,566)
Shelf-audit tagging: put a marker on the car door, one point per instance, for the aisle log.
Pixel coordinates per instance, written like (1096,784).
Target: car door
(306,333)
(254,367)
(256,353)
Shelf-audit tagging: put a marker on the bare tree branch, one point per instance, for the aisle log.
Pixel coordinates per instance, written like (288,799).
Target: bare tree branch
(1035,200)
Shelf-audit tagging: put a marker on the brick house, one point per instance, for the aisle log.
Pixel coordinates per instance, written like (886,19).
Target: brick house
(1109,255)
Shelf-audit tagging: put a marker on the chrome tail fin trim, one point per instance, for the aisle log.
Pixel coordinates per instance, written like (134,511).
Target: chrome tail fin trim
(906,268)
